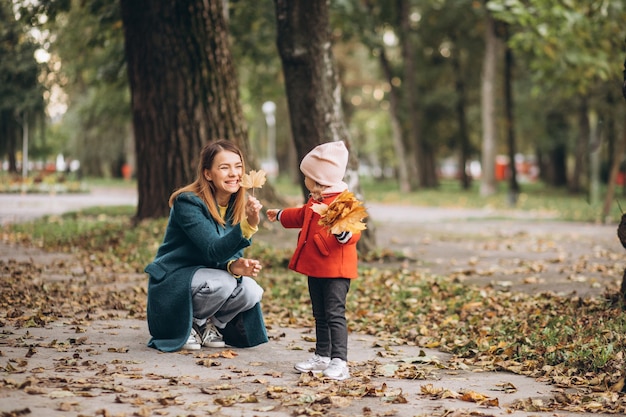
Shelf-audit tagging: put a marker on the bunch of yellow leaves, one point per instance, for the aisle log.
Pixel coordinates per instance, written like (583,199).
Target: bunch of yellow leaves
(255,179)
(344,214)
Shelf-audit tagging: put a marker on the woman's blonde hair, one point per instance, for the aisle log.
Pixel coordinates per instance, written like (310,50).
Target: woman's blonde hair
(205,189)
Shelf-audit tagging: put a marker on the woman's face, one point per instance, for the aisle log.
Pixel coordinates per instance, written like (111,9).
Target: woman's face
(225,173)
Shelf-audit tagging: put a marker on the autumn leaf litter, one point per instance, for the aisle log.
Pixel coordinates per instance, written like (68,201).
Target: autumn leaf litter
(89,289)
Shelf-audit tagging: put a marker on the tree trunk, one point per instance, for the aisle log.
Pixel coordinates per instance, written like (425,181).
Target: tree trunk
(9,134)
(595,144)
(15,134)
(464,143)
(624,83)
(488,179)
(618,156)
(313,90)
(553,167)
(556,166)
(514,187)
(411,95)
(430,170)
(582,143)
(184,92)
(396,128)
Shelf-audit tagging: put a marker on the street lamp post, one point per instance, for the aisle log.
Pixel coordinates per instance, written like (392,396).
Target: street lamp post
(270,164)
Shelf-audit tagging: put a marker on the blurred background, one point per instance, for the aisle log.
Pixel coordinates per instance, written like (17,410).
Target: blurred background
(431,90)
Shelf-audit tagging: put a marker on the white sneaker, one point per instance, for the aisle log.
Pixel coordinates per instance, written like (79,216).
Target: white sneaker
(192,342)
(316,363)
(211,337)
(337,369)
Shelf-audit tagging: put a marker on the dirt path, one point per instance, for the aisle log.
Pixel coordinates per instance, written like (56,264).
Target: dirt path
(520,255)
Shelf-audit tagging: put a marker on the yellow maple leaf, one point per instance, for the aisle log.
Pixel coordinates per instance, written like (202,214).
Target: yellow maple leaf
(320,208)
(344,214)
(254,179)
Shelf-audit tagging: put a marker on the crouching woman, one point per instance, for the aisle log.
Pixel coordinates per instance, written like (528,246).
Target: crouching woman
(199,282)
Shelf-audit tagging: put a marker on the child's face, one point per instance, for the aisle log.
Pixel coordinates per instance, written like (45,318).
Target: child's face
(310,184)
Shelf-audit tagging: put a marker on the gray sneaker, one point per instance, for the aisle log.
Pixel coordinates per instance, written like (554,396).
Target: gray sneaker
(210,336)
(316,363)
(337,369)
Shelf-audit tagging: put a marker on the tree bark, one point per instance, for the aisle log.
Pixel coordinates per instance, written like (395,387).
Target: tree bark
(514,187)
(396,128)
(312,86)
(464,142)
(618,155)
(9,133)
(624,83)
(582,147)
(431,180)
(553,162)
(488,179)
(411,96)
(184,93)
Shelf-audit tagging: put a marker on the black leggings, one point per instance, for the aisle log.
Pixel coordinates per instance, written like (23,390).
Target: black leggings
(328,298)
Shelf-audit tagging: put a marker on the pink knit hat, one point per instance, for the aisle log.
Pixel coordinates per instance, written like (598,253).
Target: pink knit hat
(326,163)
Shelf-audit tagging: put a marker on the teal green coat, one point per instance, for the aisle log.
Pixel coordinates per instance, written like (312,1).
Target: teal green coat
(192,240)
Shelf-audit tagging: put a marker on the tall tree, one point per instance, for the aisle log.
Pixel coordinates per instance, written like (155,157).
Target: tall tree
(21,95)
(488,179)
(89,46)
(425,177)
(312,86)
(396,125)
(514,187)
(184,92)
(461,117)
(457,29)
(366,21)
(570,49)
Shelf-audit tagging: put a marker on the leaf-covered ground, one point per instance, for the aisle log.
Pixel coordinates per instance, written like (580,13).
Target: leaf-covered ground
(574,343)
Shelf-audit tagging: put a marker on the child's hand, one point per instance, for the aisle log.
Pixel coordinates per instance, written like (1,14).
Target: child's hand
(271,214)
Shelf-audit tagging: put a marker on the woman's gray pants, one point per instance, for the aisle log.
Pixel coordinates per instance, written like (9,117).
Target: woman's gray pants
(217,295)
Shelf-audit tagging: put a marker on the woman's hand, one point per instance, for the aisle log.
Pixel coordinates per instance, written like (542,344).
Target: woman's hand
(253,208)
(246,267)
(271,214)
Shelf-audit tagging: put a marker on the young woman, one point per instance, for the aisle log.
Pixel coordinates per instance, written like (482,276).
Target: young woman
(199,279)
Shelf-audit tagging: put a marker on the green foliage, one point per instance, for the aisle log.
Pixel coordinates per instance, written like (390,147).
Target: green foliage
(570,45)
(20,91)
(255,54)
(561,49)
(90,45)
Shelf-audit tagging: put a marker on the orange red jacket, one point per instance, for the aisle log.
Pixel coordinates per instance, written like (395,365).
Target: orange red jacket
(318,253)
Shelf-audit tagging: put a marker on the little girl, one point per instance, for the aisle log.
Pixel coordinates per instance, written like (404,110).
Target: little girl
(329,260)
